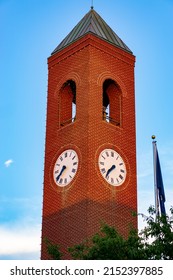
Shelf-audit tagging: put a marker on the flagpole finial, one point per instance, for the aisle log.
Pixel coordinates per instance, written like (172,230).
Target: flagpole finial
(92,7)
(153,137)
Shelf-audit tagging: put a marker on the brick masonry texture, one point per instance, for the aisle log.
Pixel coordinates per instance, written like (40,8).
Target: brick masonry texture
(73,213)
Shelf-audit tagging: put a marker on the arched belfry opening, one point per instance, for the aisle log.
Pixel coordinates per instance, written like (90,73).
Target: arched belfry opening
(112,102)
(68,103)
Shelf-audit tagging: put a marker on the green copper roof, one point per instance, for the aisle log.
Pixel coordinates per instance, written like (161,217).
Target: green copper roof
(92,23)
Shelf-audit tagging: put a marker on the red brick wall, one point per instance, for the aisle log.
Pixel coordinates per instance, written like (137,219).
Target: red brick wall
(72,213)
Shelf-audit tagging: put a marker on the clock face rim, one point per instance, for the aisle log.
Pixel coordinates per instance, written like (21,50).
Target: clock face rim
(72,174)
(120,159)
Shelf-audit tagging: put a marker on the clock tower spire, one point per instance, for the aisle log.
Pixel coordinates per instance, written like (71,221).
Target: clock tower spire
(90,154)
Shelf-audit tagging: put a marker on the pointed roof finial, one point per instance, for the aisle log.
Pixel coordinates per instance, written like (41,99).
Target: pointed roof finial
(92,7)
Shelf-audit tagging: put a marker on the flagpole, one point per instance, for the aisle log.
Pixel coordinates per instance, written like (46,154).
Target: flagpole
(155,177)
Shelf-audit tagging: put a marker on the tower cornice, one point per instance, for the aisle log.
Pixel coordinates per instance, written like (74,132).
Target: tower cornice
(94,41)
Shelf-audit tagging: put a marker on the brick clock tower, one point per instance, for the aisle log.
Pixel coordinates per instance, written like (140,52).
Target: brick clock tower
(90,154)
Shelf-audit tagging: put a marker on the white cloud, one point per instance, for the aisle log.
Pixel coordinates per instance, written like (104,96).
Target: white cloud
(20,235)
(20,240)
(8,162)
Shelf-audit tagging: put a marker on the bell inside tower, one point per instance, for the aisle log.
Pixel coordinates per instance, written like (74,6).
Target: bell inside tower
(67,103)
(111,102)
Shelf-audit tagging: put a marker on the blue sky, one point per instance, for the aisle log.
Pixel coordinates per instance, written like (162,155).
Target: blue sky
(30,30)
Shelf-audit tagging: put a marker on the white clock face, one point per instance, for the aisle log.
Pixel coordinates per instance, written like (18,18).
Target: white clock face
(65,168)
(112,167)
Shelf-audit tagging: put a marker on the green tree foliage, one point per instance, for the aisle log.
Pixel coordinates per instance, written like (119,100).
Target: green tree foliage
(53,250)
(108,244)
(154,242)
(158,236)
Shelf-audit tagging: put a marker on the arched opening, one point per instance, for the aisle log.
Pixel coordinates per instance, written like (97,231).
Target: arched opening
(111,102)
(68,103)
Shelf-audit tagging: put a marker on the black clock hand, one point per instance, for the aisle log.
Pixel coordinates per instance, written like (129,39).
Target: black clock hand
(62,170)
(110,169)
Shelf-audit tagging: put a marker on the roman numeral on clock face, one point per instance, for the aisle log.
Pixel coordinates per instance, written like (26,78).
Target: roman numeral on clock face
(103,170)
(107,154)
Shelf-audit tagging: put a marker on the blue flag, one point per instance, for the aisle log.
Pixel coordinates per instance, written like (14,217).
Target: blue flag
(159,184)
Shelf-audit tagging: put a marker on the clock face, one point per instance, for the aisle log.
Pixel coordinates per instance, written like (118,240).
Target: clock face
(65,168)
(112,167)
